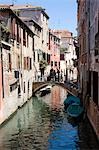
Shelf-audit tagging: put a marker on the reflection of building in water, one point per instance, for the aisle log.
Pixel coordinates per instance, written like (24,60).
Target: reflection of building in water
(55,96)
(63,94)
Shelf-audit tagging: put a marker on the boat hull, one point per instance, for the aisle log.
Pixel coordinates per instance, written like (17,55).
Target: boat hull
(70,100)
(75,111)
(43,93)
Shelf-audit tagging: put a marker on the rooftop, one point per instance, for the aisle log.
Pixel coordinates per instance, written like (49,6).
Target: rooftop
(4,8)
(24,7)
(63,33)
(29,7)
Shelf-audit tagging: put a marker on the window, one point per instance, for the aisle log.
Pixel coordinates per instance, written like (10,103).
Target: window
(59,64)
(55,63)
(44,56)
(24,87)
(42,37)
(48,58)
(55,40)
(30,63)
(20,35)
(51,63)
(16,74)
(28,86)
(24,37)
(13,27)
(9,60)
(27,40)
(95,87)
(38,58)
(18,63)
(51,38)
(17,33)
(33,43)
(62,57)
(25,63)
(34,56)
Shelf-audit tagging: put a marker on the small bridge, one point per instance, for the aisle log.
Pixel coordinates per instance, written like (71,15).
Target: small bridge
(36,86)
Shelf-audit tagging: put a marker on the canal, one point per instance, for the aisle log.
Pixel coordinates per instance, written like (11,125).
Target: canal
(42,124)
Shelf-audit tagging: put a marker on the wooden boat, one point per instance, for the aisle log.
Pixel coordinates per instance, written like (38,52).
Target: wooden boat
(45,90)
(70,100)
(75,110)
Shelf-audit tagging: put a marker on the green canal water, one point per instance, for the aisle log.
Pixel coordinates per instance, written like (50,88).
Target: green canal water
(42,124)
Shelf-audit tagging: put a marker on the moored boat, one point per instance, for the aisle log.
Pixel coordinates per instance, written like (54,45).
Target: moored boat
(75,110)
(70,100)
(45,90)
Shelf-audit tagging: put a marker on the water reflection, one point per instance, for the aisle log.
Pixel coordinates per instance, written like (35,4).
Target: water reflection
(55,97)
(42,124)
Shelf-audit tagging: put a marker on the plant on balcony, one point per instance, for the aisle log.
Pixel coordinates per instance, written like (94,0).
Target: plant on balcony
(17,12)
(4,27)
(63,50)
(5,32)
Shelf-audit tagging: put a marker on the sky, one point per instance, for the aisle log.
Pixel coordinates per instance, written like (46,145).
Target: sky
(62,13)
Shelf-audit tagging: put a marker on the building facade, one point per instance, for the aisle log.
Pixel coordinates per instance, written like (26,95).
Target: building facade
(67,55)
(54,47)
(27,45)
(16,62)
(88,38)
(40,17)
(37,55)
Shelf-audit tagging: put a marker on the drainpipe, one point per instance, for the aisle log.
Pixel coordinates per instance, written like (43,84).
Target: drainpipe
(1,63)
